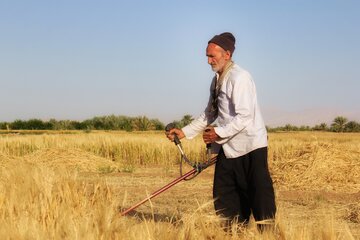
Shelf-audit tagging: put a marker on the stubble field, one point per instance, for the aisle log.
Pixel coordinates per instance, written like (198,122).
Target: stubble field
(73,185)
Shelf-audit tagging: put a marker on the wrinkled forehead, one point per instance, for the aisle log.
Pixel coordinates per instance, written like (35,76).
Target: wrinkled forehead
(212,48)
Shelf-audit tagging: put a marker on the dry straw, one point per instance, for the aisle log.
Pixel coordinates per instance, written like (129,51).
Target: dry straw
(70,158)
(317,166)
(51,187)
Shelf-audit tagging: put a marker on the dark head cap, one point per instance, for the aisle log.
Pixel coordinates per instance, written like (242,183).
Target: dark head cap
(225,40)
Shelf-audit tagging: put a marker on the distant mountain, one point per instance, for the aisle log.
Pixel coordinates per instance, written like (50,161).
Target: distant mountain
(276,117)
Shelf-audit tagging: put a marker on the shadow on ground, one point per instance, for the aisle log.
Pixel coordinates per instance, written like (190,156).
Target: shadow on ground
(154,217)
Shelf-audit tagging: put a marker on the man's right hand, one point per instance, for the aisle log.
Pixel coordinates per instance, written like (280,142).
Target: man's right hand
(171,134)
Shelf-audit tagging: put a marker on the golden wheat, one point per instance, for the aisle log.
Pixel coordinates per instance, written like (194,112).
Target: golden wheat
(72,186)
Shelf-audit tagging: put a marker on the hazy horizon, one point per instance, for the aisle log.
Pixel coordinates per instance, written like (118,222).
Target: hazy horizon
(272,117)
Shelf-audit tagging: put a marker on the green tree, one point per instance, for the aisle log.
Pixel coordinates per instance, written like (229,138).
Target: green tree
(187,119)
(18,124)
(65,125)
(157,124)
(338,124)
(3,125)
(289,127)
(98,123)
(352,126)
(321,127)
(142,124)
(87,124)
(35,124)
(304,128)
(177,124)
(270,129)
(126,123)
(77,125)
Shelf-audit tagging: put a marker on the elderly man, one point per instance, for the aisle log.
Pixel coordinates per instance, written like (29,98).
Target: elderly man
(242,183)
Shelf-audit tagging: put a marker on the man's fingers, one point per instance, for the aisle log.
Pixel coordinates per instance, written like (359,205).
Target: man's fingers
(209,135)
(171,134)
(174,132)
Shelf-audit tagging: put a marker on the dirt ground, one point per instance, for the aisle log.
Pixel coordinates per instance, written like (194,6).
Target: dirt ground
(296,208)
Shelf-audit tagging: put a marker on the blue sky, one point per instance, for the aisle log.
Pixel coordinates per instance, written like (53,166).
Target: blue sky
(79,59)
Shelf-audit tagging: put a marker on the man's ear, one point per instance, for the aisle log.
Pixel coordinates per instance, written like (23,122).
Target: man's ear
(228,55)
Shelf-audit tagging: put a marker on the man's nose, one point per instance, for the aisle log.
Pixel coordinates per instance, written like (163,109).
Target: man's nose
(209,60)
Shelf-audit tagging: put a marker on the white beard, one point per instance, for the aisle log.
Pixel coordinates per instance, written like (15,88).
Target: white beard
(219,66)
(215,68)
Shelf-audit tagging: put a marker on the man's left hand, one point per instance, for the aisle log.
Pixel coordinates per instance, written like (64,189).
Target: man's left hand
(210,135)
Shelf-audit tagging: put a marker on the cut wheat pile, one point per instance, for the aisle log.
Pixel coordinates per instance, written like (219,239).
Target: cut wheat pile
(316,166)
(71,159)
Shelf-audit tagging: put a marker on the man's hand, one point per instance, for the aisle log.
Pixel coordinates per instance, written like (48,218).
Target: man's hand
(210,135)
(175,131)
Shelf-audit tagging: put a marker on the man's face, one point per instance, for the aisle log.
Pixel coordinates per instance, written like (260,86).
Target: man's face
(217,57)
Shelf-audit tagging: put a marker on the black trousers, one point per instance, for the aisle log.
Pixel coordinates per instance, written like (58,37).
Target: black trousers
(243,186)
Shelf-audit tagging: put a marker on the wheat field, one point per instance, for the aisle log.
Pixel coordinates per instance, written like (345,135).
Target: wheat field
(74,186)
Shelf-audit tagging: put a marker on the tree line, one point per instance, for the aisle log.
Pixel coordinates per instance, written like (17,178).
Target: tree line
(339,124)
(111,122)
(142,123)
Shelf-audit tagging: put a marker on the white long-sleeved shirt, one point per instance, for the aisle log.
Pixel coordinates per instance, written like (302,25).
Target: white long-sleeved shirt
(239,122)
